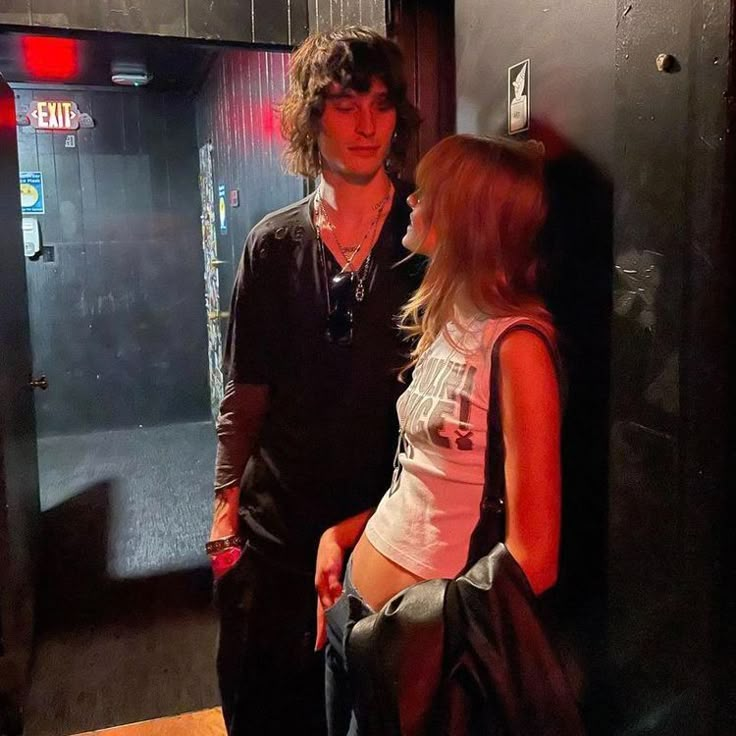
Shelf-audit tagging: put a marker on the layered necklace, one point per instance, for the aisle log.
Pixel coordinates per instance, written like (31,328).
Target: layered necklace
(349,252)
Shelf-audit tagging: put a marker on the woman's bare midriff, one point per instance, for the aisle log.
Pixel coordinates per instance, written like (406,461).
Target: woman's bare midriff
(377,578)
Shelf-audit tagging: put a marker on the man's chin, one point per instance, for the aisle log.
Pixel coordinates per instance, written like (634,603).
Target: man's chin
(362,174)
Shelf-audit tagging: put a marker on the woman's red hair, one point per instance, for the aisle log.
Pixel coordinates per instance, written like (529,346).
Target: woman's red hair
(485,200)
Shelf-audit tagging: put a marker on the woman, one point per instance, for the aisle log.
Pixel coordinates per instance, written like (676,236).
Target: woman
(476,213)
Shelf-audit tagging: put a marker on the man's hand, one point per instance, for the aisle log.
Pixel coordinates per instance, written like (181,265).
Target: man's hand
(225,523)
(225,519)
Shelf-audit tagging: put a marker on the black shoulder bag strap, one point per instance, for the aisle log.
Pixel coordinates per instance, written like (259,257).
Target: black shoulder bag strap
(491,526)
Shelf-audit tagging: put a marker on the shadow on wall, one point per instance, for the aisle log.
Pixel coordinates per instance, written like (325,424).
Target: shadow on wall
(577,281)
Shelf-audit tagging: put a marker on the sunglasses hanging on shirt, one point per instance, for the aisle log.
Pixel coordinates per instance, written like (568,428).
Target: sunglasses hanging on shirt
(346,288)
(344,291)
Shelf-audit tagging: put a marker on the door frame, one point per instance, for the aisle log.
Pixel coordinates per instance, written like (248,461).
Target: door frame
(425,32)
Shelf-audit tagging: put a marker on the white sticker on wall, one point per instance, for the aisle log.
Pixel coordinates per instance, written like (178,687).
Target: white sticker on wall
(518,97)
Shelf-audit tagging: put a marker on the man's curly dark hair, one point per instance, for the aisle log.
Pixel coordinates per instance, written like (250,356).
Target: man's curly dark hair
(351,57)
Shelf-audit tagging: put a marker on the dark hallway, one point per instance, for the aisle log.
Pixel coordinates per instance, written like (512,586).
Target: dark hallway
(127,297)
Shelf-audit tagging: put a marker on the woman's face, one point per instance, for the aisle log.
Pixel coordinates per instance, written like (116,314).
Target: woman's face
(355,131)
(420,236)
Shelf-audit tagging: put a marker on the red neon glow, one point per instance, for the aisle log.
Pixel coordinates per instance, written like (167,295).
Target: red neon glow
(7,112)
(269,117)
(259,123)
(49,59)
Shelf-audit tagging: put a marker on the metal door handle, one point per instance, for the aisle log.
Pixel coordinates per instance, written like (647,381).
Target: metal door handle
(40,382)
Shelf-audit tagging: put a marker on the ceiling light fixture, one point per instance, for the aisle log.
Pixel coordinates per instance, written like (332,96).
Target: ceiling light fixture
(130,73)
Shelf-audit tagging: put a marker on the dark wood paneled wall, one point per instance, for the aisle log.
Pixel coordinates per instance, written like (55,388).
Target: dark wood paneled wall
(280,22)
(257,21)
(117,317)
(326,14)
(237,112)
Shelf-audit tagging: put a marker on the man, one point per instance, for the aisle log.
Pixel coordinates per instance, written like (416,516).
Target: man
(307,428)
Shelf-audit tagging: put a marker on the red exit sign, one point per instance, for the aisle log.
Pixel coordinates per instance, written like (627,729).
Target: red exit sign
(54,115)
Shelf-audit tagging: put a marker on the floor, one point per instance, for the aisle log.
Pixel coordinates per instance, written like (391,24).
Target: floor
(127,629)
(203,723)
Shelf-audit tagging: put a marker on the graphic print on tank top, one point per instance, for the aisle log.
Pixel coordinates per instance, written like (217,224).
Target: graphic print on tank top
(423,523)
(439,393)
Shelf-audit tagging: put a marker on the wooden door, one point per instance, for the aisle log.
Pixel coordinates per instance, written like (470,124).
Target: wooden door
(19,497)
(425,31)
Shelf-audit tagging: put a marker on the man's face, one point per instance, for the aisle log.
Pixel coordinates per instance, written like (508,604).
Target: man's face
(355,131)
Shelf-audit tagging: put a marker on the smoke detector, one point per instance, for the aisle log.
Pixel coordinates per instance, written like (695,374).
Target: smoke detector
(130,73)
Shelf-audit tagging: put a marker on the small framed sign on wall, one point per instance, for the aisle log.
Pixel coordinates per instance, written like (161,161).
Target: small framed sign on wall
(519,86)
(222,208)
(31,193)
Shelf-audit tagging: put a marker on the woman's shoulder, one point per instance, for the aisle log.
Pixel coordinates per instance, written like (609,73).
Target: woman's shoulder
(499,328)
(527,343)
(525,329)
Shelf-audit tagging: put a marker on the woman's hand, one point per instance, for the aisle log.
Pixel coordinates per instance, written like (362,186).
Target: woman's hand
(327,579)
(329,567)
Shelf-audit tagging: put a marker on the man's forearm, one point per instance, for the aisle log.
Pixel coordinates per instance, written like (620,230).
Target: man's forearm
(238,426)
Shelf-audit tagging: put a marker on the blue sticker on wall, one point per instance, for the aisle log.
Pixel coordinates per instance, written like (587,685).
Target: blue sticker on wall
(31,193)
(222,206)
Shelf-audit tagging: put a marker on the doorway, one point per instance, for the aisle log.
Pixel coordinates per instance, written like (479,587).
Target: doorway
(115,271)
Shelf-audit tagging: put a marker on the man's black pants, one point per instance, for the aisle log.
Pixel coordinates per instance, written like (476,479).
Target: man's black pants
(271,680)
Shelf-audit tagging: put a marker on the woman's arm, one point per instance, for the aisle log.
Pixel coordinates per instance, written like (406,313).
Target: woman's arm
(330,563)
(530,415)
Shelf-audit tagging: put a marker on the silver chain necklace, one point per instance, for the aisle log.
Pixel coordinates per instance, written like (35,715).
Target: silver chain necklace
(360,277)
(349,253)
(362,272)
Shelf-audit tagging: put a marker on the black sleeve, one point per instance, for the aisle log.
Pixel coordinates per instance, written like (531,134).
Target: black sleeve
(251,332)
(238,425)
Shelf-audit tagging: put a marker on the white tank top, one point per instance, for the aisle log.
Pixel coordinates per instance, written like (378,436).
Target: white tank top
(425,519)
